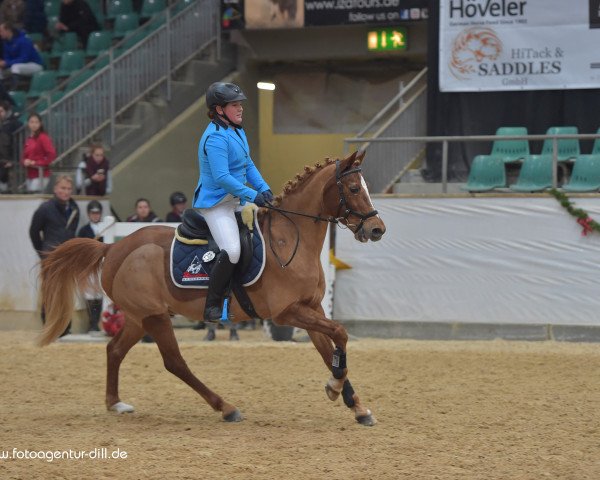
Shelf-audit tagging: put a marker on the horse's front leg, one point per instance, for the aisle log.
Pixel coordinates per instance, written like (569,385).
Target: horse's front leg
(325,335)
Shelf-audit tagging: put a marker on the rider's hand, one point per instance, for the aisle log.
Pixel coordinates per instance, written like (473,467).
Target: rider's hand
(260,200)
(268,196)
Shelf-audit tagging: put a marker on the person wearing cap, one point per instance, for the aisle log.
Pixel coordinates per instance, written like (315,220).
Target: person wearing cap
(225,168)
(92,230)
(178,201)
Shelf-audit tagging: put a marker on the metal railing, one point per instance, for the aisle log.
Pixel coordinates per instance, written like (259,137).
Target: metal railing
(404,116)
(396,142)
(135,66)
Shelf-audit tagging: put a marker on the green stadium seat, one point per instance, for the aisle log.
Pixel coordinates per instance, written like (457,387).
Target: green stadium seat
(586,174)
(66,41)
(52,7)
(96,7)
(125,23)
(132,39)
(596,147)
(20,99)
(78,78)
(510,150)
(46,60)
(182,4)
(486,173)
(52,20)
(535,174)
(97,42)
(568,149)
(118,7)
(152,7)
(41,82)
(70,62)
(42,103)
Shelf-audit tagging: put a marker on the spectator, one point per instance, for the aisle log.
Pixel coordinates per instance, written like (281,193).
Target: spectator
(178,202)
(93,174)
(54,222)
(143,212)
(38,154)
(92,230)
(9,123)
(77,16)
(13,11)
(35,20)
(19,54)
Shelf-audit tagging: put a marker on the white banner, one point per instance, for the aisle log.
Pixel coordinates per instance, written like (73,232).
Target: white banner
(491,45)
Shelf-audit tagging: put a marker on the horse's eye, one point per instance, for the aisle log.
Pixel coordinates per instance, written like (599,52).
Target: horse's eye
(354,189)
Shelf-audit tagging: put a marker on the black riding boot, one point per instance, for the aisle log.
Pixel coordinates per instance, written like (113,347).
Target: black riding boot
(220,277)
(94,310)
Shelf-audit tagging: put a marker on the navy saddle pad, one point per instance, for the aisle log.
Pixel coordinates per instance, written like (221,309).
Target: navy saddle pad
(191,264)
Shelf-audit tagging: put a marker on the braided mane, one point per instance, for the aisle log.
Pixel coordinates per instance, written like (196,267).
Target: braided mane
(292,185)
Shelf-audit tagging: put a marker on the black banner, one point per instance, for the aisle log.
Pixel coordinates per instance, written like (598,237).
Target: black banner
(344,12)
(594,13)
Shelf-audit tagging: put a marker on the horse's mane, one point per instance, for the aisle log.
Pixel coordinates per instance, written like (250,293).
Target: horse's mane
(291,185)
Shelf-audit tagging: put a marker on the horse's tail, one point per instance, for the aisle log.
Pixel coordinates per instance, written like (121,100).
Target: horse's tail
(73,265)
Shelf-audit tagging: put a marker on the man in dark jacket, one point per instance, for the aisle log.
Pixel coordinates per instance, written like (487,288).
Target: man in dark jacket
(77,16)
(55,221)
(35,19)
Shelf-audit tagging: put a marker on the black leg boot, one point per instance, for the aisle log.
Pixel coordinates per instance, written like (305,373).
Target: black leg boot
(94,310)
(220,277)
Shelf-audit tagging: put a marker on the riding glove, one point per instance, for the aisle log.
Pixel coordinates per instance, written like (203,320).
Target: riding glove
(260,200)
(268,195)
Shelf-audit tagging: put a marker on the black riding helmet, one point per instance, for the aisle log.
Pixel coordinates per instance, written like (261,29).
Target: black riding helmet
(221,94)
(94,206)
(177,197)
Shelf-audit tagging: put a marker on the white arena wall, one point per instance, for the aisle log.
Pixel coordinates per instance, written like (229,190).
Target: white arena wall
(473,267)
(449,267)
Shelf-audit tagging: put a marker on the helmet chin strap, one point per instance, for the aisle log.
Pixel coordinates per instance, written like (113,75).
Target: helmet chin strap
(229,121)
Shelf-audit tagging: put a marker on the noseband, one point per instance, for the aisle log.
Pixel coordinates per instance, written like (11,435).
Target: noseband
(343,204)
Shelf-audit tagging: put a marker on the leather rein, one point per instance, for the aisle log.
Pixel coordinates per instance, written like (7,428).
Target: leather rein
(343,204)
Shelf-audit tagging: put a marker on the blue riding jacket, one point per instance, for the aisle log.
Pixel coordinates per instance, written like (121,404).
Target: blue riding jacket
(225,167)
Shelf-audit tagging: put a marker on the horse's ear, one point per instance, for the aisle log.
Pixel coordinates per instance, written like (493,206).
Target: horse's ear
(347,162)
(360,156)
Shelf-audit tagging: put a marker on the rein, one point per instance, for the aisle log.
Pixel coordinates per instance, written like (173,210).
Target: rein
(317,218)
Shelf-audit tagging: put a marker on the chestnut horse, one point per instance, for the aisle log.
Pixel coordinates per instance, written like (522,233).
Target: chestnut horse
(135,275)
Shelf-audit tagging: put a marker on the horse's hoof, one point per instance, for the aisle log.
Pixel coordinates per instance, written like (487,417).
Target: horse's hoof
(234,416)
(368,420)
(122,407)
(331,393)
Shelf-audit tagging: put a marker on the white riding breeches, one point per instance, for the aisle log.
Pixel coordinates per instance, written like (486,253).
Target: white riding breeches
(223,225)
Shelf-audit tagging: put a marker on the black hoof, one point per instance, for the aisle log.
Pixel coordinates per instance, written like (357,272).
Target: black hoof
(366,420)
(234,416)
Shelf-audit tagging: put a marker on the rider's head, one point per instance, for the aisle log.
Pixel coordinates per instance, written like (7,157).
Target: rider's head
(219,98)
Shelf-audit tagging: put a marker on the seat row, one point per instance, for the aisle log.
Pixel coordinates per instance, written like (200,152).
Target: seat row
(488,172)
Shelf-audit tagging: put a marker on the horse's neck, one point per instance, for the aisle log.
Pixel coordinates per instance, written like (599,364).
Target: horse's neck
(308,198)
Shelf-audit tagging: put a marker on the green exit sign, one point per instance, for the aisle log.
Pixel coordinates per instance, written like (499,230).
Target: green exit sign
(386,39)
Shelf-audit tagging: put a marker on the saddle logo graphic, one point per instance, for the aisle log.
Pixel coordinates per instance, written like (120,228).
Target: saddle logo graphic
(472,47)
(195,272)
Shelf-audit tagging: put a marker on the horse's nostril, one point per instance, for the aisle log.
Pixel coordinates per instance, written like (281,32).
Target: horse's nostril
(377,233)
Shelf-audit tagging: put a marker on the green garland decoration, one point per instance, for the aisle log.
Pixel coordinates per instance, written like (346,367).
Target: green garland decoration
(588,224)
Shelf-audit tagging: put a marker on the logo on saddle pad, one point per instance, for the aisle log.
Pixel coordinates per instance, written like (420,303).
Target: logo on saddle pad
(195,271)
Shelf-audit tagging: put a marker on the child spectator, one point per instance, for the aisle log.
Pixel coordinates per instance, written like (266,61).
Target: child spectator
(93,175)
(178,202)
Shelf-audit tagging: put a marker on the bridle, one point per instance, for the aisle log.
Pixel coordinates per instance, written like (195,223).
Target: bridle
(343,205)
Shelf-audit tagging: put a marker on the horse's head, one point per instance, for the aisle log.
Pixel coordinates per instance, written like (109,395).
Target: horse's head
(355,208)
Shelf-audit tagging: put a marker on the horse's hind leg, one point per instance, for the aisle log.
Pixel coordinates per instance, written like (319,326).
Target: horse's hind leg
(159,326)
(116,350)
(325,347)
